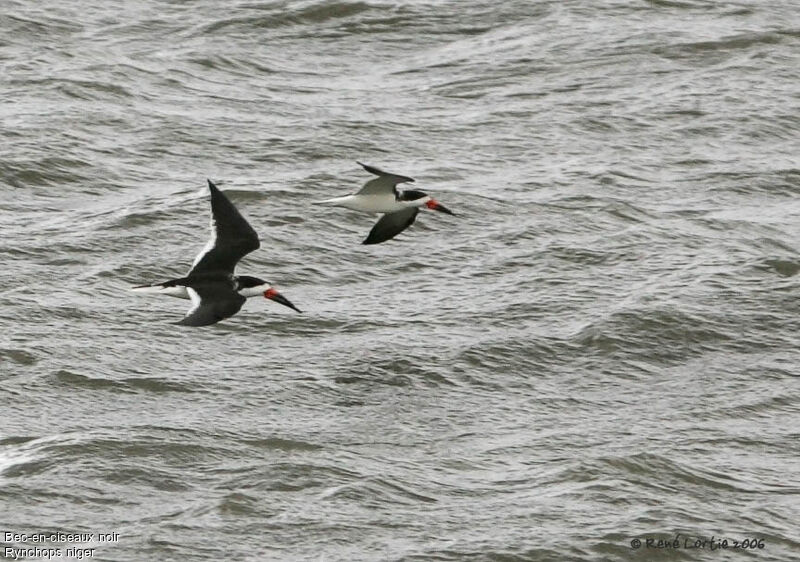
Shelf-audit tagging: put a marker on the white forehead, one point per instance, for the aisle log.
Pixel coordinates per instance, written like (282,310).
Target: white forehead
(255,291)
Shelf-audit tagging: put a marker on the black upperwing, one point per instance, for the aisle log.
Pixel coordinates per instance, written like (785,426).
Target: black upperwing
(391,224)
(232,237)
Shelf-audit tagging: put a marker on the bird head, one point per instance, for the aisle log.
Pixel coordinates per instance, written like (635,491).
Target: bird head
(420,198)
(248,286)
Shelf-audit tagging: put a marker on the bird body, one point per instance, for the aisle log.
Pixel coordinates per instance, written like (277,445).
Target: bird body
(216,293)
(377,203)
(380,195)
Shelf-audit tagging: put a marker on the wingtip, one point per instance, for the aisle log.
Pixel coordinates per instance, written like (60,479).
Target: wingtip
(372,169)
(381,173)
(211,185)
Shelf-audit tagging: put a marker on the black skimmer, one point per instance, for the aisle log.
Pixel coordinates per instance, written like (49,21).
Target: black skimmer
(217,293)
(380,195)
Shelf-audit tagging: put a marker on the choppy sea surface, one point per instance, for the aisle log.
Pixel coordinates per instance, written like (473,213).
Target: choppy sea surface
(600,348)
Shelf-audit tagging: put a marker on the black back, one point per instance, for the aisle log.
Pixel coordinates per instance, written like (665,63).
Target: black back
(247,281)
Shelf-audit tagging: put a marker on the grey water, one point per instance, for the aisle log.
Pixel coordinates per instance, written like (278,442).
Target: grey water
(600,348)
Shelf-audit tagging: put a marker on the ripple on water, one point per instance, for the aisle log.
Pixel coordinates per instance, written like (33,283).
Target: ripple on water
(131,384)
(376,492)
(18,356)
(667,334)
(315,12)
(783,267)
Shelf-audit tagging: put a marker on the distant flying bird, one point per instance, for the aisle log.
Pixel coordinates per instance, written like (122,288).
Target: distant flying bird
(380,195)
(217,293)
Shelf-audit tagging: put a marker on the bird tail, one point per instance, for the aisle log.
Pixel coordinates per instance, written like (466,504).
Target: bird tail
(162,289)
(154,288)
(329,202)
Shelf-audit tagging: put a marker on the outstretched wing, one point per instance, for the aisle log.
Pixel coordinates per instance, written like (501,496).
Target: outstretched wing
(232,237)
(391,224)
(211,304)
(383,184)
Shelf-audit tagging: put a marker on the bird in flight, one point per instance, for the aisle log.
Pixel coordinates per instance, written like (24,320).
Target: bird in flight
(215,291)
(380,195)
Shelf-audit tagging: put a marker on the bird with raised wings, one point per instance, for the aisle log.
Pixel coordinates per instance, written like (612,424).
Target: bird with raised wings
(380,195)
(216,293)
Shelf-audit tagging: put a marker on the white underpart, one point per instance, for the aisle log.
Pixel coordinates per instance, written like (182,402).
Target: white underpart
(256,291)
(373,203)
(177,291)
(196,301)
(209,245)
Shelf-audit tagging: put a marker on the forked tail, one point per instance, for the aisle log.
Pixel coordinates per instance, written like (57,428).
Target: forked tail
(336,201)
(162,289)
